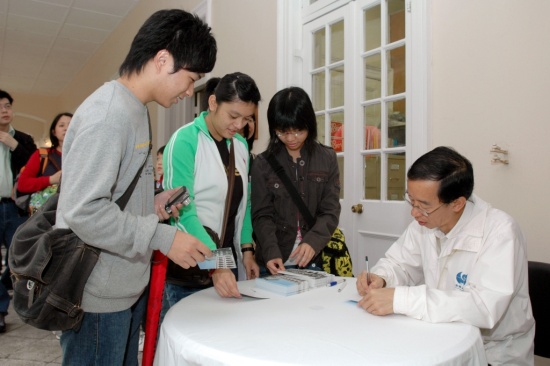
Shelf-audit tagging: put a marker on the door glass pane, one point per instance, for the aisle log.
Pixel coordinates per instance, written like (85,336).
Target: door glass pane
(372,28)
(318,85)
(319,48)
(337,41)
(396,70)
(397,123)
(372,177)
(336,87)
(337,131)
(373,86)
(321,128)
(342,176)
(373,117)
(396,177)
(396,20)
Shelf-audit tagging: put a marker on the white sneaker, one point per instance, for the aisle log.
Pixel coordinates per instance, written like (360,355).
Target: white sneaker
(57,334)
(141,340)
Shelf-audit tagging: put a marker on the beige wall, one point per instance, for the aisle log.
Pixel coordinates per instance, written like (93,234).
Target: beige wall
(34,115)
(490,85)
(247,42)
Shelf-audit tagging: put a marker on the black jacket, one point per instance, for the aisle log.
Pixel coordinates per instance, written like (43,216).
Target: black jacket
(22,152)
(274,214)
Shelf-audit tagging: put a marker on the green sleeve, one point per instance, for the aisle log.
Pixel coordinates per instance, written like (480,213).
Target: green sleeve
(179,164)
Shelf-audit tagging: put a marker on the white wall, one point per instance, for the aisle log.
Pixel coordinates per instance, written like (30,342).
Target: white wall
(490,79)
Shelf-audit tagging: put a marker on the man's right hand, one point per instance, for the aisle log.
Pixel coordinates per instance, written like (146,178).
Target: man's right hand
(187,250)
(365,283)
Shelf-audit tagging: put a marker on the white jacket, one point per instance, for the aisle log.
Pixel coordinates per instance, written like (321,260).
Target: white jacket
(479,278)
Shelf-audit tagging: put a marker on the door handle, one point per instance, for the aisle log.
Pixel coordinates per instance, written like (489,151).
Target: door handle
(358,208)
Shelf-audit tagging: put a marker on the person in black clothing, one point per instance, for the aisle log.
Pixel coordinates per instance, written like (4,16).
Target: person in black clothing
(15,149)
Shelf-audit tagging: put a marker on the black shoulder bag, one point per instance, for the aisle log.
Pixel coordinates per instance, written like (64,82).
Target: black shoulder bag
(50,267)
(336,257)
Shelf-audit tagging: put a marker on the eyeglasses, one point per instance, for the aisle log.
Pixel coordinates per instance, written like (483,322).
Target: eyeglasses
(289,133)
(5,106)
(421,210)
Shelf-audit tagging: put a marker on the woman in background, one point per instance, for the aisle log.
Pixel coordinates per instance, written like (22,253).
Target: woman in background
(36,176)
(283,237)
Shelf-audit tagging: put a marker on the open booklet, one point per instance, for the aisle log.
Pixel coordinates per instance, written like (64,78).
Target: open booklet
(293,281)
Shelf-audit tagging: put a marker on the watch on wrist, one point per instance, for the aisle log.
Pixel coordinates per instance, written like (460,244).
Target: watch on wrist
(248,249)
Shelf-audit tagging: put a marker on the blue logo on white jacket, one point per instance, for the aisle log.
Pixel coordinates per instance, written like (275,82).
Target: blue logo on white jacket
(461,279)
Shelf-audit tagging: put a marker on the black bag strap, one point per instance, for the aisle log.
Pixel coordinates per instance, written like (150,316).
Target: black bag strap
(123,200)
(229,197)
(278,169)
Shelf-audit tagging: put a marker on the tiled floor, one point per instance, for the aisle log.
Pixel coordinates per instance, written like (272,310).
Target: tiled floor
(26,345)
(23,345)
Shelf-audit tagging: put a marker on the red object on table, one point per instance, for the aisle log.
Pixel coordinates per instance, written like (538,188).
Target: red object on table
(154,305)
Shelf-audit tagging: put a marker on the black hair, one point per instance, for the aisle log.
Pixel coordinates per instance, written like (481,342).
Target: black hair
(53,139)
(209,88)
(184,35)
(291,109)
(443,164)
(5,94)
(237,86)
(161,150)
(246,132)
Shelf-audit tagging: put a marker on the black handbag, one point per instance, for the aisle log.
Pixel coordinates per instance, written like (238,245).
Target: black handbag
(194,277)
(50,267)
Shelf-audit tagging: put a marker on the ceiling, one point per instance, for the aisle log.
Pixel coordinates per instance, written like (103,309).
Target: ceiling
(45,43)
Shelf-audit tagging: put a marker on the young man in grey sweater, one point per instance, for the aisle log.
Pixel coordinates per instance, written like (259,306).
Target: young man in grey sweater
(107,143)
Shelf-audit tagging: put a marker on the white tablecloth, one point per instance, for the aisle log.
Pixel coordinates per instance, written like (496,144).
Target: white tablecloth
(318,327)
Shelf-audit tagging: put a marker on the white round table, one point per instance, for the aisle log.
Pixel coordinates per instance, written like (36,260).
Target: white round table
(318,327)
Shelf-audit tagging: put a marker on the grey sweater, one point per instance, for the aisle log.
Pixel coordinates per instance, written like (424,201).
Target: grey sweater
(105,145)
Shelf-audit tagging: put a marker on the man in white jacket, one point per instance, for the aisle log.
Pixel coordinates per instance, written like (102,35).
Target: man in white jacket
(462,260)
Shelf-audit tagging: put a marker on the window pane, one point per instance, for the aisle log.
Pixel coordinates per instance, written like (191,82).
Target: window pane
(337,41)
(342,176)
(318,91)
(372,28)
(373,117)
(396,70)
(337,131)
(336,87)
(396,176)
(397,123)
(319,48)
(321,128)
(396,20)
(373,86)
(372,177)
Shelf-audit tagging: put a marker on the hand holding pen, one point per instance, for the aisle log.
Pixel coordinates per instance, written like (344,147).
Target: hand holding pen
(368,280)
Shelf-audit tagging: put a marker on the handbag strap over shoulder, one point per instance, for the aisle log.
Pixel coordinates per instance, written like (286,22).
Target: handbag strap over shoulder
(123,200)
(231,183)
(278,169)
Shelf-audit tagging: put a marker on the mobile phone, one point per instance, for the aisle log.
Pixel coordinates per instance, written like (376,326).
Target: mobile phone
(181,196)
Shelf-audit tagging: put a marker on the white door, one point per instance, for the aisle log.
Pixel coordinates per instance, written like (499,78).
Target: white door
(357,70)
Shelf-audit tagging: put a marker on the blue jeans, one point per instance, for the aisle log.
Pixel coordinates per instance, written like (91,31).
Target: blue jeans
(171,295)
(174,293)
(105,338)
(9,222)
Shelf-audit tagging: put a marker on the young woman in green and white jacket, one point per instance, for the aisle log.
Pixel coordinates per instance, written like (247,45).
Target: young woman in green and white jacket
(197,157)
